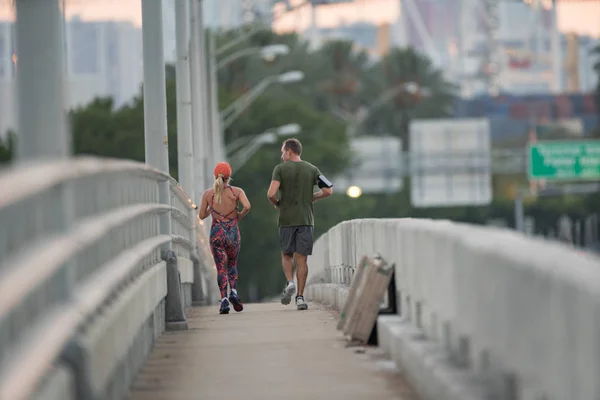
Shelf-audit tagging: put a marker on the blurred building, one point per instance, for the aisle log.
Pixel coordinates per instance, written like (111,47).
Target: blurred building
(231,14)
(512,116)
(504,46)
(104,59)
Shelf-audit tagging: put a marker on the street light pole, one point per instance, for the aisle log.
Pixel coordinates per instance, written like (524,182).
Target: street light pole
(198,103)
(185,153)
(40,81)
(234,110)
(411,87)
(216,134)
(206,93)
(267,51)
(155,102)
(251,146)
(155,106)
(255,29)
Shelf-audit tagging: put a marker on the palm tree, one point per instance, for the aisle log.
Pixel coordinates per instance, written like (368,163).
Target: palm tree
(340,77)
(433,98)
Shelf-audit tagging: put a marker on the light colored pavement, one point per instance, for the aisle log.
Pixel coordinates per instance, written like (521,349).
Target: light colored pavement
(268,351)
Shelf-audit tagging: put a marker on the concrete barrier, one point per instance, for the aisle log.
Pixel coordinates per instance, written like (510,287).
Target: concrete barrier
(484,311)
(94,232)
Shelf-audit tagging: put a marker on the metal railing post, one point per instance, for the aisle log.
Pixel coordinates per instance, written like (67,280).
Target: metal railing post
(185,148)
(155,101)
(157,146)
(40,81)
(198,295)
(43,132)
(199,108)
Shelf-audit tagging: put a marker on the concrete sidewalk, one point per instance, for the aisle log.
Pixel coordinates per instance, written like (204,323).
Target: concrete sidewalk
(268,351)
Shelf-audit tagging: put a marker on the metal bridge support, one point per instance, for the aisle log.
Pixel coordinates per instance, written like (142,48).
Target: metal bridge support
(40,80)
(175,315)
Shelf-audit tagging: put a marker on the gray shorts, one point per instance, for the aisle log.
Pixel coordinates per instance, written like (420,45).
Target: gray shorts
(296,239)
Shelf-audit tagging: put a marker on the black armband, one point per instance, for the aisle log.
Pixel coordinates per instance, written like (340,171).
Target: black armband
(323,182)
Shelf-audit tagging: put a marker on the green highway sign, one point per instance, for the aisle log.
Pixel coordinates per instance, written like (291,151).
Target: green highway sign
(565,160)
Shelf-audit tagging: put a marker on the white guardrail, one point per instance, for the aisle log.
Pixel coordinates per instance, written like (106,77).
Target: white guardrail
(85,250)
(517,316)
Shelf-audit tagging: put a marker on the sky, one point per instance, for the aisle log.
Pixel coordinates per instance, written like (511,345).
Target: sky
(581,17)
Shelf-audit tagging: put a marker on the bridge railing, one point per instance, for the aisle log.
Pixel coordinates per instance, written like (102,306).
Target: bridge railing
(518,316)
(84,261)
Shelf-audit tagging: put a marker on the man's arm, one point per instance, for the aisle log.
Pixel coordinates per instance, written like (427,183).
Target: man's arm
(272,192)
(321,194)
(274,187)
(324,191)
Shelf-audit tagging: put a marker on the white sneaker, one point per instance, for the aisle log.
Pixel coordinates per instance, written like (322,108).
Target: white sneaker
(288,291)
(300,303)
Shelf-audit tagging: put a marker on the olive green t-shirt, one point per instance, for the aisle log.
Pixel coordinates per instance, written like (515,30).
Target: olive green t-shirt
(297,181)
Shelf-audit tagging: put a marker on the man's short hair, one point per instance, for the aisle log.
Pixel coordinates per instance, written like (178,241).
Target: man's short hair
(294,145)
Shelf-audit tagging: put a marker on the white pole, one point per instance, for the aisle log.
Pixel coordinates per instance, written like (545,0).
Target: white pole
(40,81)
(218,140)
(185,154)
(155,104)
(401,24)
(198,107)
(205,93)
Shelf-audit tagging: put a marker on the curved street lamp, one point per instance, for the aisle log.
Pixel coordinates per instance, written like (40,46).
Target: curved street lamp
(251,145)
(363,115)
(257,28)
(234,110)
(268,53)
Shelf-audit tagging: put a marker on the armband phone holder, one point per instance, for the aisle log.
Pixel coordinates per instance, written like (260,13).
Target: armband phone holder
(323,182)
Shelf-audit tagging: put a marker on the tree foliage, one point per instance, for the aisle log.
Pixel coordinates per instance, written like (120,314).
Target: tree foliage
(7,148)
(99,129)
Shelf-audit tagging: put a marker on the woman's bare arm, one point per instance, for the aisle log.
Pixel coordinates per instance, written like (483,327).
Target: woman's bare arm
(204,206)
(245,204)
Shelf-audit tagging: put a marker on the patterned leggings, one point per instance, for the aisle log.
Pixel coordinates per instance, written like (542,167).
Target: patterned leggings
(225,247)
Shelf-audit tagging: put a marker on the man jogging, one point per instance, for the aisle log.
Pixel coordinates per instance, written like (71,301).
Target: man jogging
(291,192)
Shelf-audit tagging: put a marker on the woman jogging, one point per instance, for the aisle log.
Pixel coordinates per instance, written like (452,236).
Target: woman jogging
(222,203)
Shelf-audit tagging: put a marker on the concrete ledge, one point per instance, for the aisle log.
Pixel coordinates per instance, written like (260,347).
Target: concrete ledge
(331,294)
(186,293)
(522,312)
(186,269)
(425,363)
(59,384)
(126,371)
(116,344)
(177,326)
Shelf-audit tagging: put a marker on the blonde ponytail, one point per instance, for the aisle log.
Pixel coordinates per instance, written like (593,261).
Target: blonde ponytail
(218,187)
